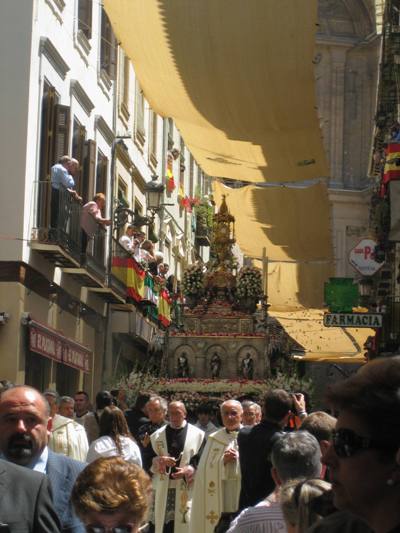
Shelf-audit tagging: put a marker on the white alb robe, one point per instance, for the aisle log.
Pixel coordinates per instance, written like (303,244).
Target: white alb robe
(68,438)
(216,486)
(161,482)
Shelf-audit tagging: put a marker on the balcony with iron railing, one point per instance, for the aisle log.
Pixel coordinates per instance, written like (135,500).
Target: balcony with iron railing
(57,234)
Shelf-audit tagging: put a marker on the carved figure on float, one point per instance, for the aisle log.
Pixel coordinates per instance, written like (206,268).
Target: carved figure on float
(215,365)
(182,366)
(247,367)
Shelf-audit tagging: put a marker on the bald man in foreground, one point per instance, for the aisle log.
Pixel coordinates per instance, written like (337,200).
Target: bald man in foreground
(25,424)
(217,481)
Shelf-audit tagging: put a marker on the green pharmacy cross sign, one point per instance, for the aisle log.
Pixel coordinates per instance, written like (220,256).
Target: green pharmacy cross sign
(341,295)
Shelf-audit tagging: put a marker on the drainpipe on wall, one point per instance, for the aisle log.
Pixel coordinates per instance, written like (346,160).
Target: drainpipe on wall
(163,174)
(107,361)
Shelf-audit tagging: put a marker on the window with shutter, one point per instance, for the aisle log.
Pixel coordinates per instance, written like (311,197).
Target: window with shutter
(49,101)
(139,115)
(85,17)
(108,47)
(89,170)
(153,139)
(170,133)
(101,172)
(61,132)
(47,157)
(78,152)
(191,176)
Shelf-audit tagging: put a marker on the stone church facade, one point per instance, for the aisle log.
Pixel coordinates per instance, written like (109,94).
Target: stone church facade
(346,64)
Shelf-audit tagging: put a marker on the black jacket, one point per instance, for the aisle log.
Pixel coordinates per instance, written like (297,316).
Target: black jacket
(135,418)
(25,501)
(255,445)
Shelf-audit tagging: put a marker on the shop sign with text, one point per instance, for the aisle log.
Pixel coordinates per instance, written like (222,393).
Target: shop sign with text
(353,320)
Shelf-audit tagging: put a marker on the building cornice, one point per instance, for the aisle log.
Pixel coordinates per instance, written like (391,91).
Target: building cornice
(79,93)
(350,196)
(48,49)
(57,7)
(123,157)
(104,129)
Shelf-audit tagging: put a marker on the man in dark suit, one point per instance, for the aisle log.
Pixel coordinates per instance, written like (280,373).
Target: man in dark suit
(255,445)
(136,416)
(24,431)
(25,501)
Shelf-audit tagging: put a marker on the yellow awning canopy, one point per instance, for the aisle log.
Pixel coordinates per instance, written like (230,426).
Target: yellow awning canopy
(293,226)
(322,344)
(236,76)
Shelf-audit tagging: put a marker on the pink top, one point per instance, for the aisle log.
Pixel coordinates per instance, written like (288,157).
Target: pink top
(90,218)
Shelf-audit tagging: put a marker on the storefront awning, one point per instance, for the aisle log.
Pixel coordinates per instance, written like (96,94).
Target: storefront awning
(52,344)
(320,343)
(237,78)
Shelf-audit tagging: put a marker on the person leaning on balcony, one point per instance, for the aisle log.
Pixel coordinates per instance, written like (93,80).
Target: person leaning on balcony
(147,254)
(131,240)
(92,218)
(62,179)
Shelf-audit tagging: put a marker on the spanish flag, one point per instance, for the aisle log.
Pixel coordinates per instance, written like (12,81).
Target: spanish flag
(164,307)
(392,166)
(181,193)
(127,270)
(170,182)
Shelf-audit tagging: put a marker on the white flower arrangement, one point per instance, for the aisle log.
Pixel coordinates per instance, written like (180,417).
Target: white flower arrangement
(190,389)
(249,283)
(193,280)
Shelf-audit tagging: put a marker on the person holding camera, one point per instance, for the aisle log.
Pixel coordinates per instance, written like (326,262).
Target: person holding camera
(255,444)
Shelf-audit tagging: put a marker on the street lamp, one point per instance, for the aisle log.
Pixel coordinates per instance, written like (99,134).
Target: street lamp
(154,195)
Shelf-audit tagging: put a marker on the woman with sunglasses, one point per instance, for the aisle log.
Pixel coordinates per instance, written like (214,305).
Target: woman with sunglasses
(362,463)
(112,496)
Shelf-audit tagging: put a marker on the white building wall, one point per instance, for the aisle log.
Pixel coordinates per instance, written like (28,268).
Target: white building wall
(174,225)
(15,151)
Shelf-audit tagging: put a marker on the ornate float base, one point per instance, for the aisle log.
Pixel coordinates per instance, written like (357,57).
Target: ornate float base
(218,330)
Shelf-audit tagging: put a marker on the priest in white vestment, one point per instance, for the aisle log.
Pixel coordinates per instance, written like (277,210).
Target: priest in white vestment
(175,446)
(217,480)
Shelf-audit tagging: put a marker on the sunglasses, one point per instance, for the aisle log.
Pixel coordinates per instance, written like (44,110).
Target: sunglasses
(119,529)
(347,443)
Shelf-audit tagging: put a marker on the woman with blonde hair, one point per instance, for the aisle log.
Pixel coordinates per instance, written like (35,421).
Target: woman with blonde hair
(115,438)
(112,495)
(304,503)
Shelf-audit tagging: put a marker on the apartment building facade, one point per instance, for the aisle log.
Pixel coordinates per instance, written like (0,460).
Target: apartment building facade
(68,89)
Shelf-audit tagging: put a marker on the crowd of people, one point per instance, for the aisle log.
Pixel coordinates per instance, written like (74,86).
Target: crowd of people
(135,245)
(132,242)
(66,466)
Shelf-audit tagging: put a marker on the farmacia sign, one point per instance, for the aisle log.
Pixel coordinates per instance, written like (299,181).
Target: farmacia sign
(353,320)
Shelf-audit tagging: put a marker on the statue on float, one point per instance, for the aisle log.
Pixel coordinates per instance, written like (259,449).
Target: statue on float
(247,367)
(182,370)
(215,365)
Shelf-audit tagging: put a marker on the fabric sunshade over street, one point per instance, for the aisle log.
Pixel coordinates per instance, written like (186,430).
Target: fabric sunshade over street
(237,78)
(293,226)
(321,344)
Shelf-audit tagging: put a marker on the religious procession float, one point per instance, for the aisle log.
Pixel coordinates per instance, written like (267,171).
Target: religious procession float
(221,343)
